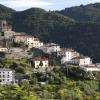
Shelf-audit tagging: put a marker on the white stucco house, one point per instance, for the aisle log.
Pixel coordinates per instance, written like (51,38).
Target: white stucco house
(91,69)
(40,63)
(50,48)
(3,49)
(20,38)
(8,34)
(6,76)
(81,61)
(33,42)
(11,34)
(28,40)
(67,55)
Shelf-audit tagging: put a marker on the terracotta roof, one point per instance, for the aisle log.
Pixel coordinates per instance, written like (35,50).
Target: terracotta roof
(78,57)
(92,65)
(39,59)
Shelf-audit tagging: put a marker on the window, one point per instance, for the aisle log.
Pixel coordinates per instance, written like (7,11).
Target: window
(46,65)
(37,65)
(8,76)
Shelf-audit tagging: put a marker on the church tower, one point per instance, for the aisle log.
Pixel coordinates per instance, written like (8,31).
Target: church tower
(4,26)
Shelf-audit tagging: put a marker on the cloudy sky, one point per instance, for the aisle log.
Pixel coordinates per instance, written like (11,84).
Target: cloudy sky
(45,4)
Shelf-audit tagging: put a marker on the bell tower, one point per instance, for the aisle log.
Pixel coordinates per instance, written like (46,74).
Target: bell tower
(4,26)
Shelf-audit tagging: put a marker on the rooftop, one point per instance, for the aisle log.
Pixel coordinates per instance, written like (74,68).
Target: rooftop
(5,69)
(81,57)
(67,49)
(51,44)
(91,66)
(23,34)
(39,59)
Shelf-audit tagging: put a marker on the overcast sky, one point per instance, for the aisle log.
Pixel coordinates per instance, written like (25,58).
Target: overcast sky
(45,4)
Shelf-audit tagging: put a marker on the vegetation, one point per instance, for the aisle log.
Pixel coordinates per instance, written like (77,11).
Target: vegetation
(53,59)
(20,44)
(67,82)
(16,92)
(36,20)
(83,13)
(1,33)
(5,12)
(81,32)
(51,26)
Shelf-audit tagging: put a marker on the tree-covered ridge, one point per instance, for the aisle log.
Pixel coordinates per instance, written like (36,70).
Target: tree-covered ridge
(36,20)
(5,12)
(51,26)
(89,12)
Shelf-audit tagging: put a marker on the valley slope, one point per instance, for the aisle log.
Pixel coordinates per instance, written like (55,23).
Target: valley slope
(79,33)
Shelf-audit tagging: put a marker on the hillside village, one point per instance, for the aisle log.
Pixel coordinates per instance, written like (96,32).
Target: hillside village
(14,45)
